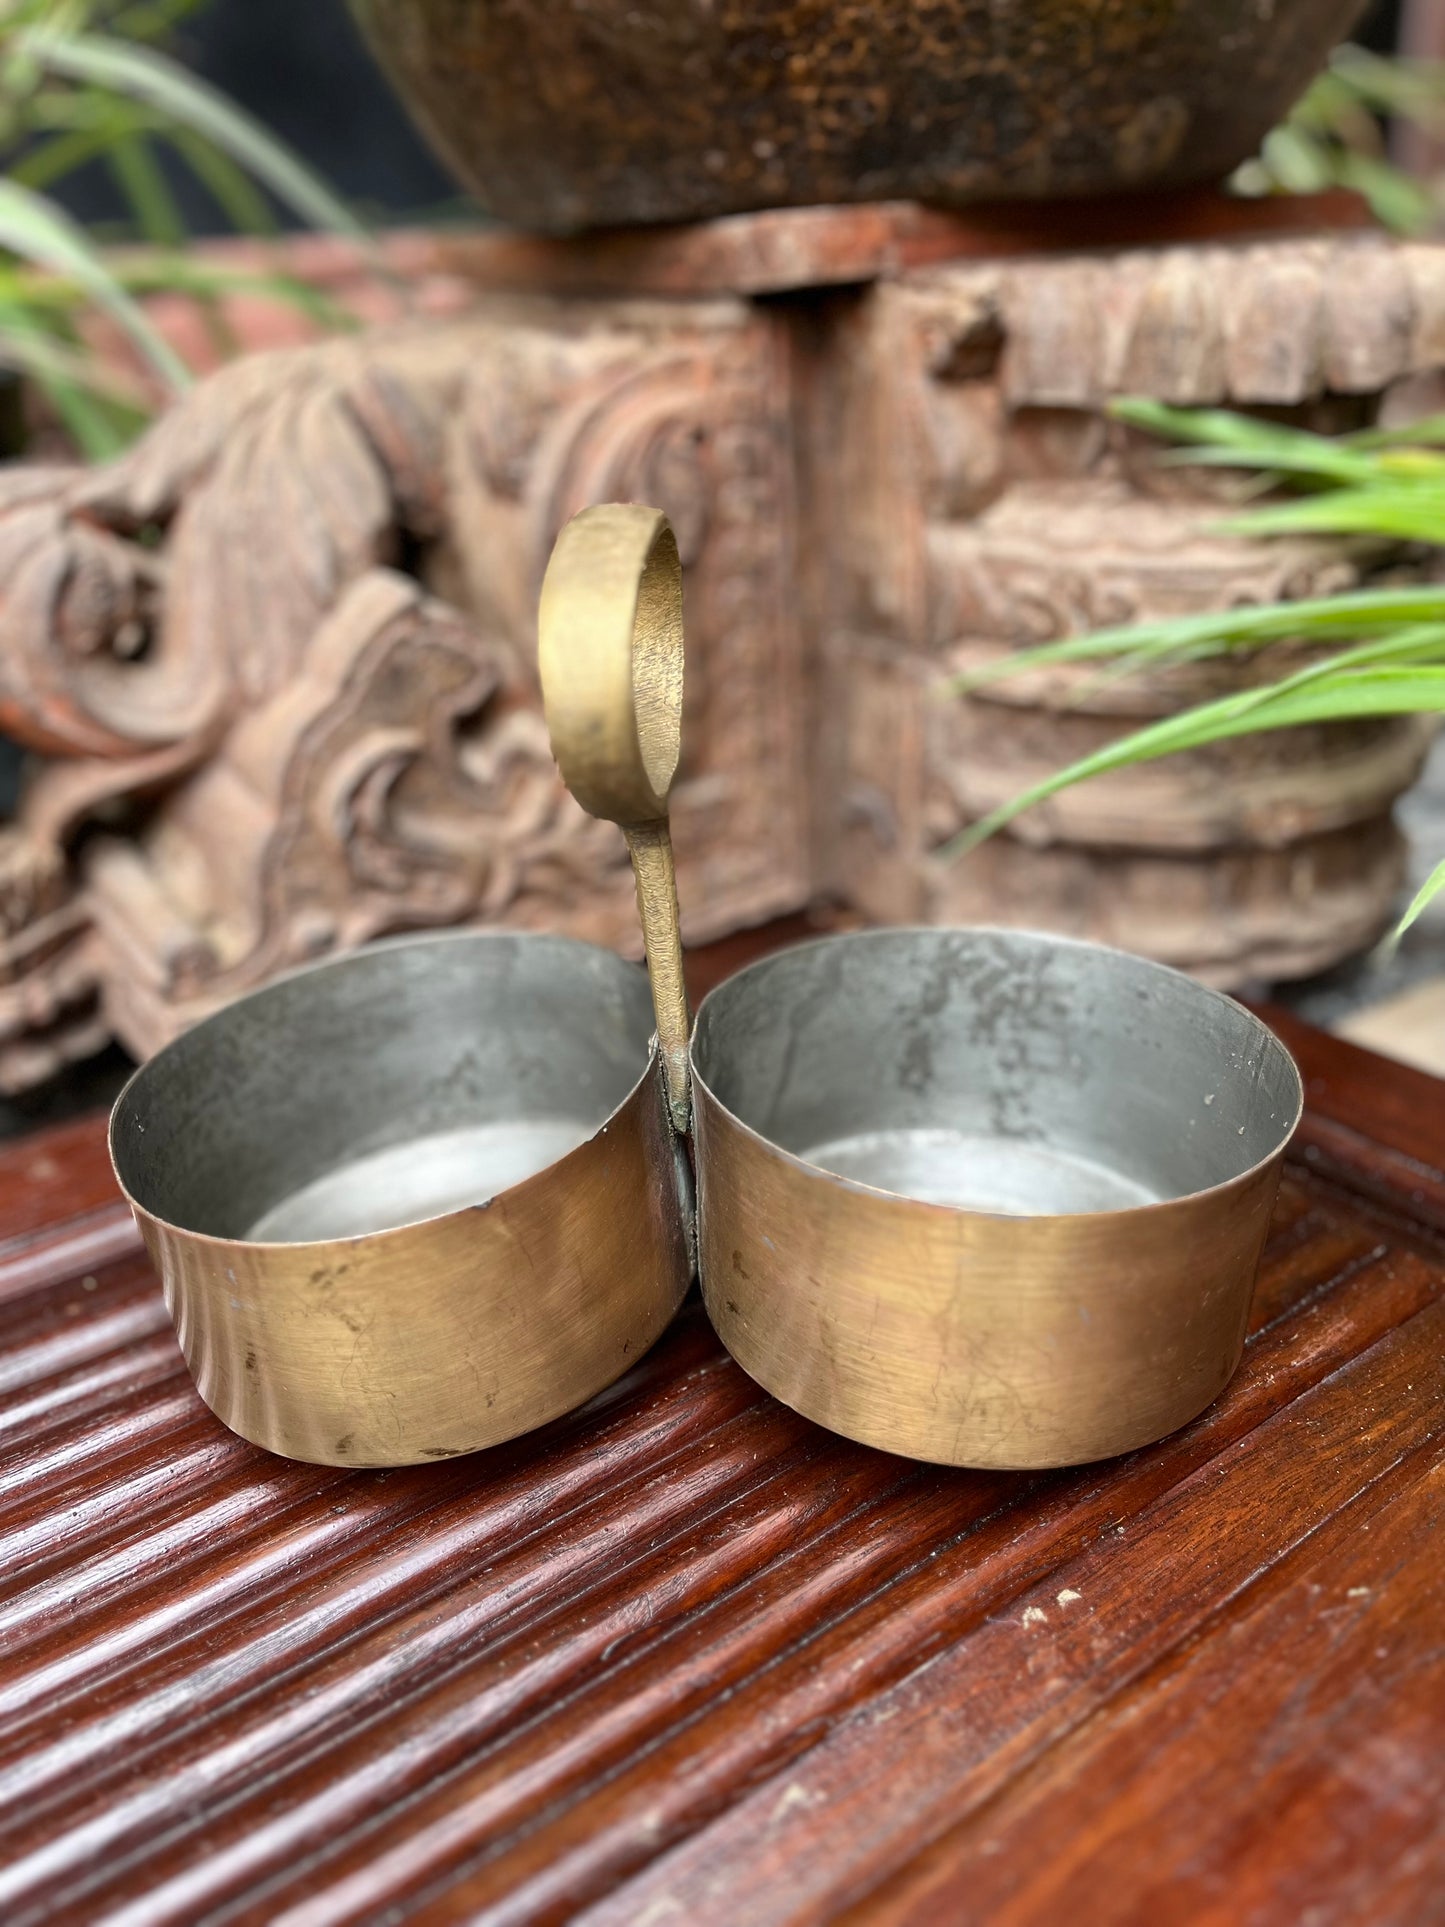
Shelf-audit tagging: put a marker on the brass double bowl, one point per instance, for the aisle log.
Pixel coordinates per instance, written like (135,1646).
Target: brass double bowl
(980,1197)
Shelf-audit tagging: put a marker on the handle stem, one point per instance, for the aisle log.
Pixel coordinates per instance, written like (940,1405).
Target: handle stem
(650,846)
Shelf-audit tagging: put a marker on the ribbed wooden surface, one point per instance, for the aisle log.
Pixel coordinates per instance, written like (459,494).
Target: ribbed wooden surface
(684,1658)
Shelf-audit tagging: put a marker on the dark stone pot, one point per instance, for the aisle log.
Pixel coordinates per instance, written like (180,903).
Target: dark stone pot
(564,115)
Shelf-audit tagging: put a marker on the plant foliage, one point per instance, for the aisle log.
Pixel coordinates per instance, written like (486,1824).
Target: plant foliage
(1335,136)
(85,82)
(1381,651)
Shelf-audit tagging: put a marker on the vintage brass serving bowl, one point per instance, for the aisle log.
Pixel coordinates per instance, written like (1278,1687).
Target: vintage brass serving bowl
(414,1201)
(985,1197)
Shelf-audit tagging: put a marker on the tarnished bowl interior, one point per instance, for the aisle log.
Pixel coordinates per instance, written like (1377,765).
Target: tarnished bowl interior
(1000,1071)
(985,1197)
(397,1085)
(415,1201)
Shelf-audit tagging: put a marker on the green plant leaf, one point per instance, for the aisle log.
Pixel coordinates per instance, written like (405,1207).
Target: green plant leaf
(100,409)
(141,73)
(1414,89)
(1389,510)
(1243,441)
(1396,199)
(97,431)
(1297,159)
(40,232)
(45,358)
(228,185)
(134,165)
(147,19)
(1333,136)
(1387,487)
(146,273)
(1323,619)
(1394,663)
(1423,898)
(1345,694)
(1428,432)
(52,159)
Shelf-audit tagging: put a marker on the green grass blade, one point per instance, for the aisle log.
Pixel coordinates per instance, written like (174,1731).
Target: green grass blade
(1429,431)
(140,73)
(133,162)
(93,427)
(1256,444)
(1297,465)
(1402,691)
(1389,691)
(53,159)
(148,19)
(1396,199)
(204,280)
(228,185)
(1421,642)
(36,230)
(1362,613)
(1387,510)
(34,351)
(1377,484)
(101,413)
(1412,88)
(1218,438)
(1423,898)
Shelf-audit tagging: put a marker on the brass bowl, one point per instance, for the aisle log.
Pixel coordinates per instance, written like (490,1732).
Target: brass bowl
(414,1201)
(985,1197)
(562,117)
(981,1197)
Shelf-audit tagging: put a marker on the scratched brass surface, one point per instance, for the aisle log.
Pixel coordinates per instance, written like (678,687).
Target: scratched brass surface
(985,1198)
(1031,1333)
(610,652)
(429,1338)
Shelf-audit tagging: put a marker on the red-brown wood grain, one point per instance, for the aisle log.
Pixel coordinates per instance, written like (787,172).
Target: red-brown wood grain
(778,249)
(1376,1124)
(682,1657)
(1286,1766)
(56,1177)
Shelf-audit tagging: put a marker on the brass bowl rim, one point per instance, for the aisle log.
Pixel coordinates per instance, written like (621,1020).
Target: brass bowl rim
(397,1232)
(1019,1224)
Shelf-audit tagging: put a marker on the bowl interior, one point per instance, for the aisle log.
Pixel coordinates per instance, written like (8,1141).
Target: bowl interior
(997,1070)
(383,1089)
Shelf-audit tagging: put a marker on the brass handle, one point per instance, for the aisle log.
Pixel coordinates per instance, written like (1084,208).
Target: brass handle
(610,650)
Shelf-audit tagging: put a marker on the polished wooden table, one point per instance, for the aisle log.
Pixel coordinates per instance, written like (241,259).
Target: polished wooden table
(685,1658)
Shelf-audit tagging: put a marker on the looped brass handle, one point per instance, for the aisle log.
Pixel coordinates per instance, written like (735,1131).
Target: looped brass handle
(610,650)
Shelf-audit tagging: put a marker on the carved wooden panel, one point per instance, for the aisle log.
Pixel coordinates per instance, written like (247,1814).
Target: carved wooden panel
(276,665)
(228,634)
(991,503)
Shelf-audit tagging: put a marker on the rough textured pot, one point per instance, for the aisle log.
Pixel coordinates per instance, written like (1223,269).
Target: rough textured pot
(561,117)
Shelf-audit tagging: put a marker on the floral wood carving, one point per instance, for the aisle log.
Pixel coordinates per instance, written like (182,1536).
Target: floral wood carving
(395,783)
(989,503)
(278,663)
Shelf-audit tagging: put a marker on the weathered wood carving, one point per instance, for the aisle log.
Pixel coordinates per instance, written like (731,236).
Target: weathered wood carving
(990,503)
(276,665)
(264,738)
